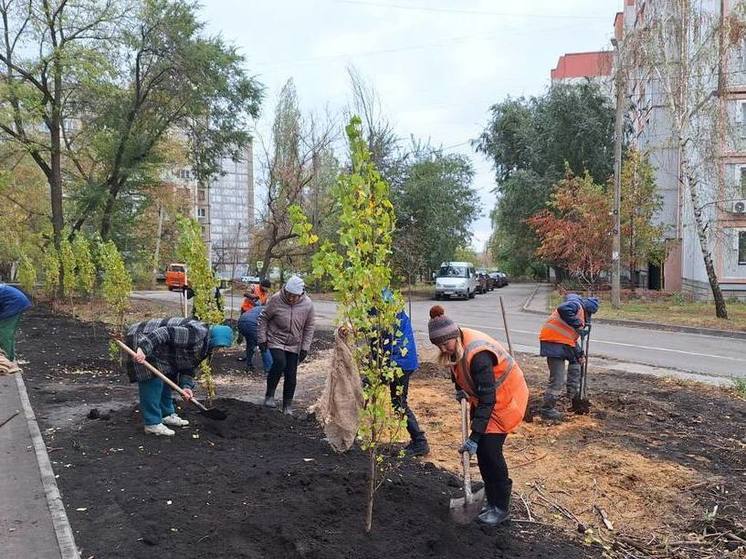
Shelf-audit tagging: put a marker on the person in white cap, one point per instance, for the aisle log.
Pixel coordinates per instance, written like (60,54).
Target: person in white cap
(286,328)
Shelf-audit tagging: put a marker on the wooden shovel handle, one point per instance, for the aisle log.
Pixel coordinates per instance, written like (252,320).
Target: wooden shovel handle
(465,455)
(160,375)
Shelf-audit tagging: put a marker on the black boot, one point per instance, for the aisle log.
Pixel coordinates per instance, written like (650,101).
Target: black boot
(493,516)
(418,447)
(549,411)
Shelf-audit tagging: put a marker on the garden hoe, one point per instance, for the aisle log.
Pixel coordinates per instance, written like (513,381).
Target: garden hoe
(464,509)
(210,413)
(580,403)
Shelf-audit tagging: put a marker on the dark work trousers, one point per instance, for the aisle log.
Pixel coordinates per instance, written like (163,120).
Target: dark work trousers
(494,469)
(284,364)
(399,401)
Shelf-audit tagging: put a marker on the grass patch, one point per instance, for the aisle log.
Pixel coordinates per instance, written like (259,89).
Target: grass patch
(739,385)
(668,308)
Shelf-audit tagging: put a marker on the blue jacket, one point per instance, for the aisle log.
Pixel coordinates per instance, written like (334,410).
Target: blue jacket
(408,362)
(247,323)
(12,301)
(568,312)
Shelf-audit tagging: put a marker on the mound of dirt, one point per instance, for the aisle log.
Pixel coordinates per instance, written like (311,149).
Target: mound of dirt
(262,484)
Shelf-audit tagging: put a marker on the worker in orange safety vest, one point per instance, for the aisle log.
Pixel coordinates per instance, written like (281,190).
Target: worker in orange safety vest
(558,341)
(489,378)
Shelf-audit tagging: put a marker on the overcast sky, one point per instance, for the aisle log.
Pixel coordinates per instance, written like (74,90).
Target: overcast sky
(437,65)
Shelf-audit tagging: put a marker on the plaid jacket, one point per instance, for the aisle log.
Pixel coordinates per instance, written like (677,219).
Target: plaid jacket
(174,346)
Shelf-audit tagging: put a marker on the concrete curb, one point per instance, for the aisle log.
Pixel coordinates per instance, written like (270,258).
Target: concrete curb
(530,299)
(643,324)
(62,529)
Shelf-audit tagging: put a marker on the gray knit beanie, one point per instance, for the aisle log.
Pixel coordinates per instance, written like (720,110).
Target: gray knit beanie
(441,328)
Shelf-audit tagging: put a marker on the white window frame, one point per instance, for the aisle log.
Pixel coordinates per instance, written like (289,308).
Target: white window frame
(202,212)
(739,231)
(740,193)
(740,120)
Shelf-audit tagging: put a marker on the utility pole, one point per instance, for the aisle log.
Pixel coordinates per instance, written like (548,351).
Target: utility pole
(618,132)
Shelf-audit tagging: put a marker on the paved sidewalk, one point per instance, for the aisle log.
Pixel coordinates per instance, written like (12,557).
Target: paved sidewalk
(29,528)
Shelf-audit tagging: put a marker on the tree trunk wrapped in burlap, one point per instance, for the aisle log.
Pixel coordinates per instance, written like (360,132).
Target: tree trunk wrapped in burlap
(338,408)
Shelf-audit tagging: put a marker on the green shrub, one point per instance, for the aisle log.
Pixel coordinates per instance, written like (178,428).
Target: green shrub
(27,274)
(51,266)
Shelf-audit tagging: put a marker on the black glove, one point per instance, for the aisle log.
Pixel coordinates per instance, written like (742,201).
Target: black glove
(302,356)
(461,395)
(263,347)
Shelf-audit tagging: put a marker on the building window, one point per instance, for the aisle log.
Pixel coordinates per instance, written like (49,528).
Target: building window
(739,131)
(201,195)
(184,174)
(741,178)
(201,212)
(742,56)
(742,248)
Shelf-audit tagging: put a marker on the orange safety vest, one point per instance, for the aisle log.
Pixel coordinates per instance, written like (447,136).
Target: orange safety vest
(257,292)
(558,331)
(511,392)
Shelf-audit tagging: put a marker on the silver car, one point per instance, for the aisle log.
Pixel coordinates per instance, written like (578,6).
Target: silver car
(456,279)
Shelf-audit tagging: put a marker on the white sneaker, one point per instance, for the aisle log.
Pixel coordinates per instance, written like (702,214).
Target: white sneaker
(159,430)
(174,420)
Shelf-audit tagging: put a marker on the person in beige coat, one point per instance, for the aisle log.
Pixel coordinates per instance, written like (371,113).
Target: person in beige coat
(286,328)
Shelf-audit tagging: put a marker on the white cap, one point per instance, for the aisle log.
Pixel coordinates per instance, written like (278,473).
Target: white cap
(295,286)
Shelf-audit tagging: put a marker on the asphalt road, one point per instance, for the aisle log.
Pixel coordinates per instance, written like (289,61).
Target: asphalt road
(694,353)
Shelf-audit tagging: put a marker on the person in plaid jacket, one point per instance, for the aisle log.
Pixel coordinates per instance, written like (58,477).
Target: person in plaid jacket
(175,346)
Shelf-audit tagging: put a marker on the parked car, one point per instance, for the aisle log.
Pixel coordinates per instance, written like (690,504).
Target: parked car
(505,278)
(176,276)
(488,279)
(456,279)
(498,277)
(483,283)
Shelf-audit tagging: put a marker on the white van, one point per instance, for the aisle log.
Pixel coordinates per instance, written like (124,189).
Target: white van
(456,279)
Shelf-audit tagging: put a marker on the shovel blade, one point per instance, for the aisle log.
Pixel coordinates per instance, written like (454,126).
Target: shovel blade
(214,414)
(581,406)
(463,511)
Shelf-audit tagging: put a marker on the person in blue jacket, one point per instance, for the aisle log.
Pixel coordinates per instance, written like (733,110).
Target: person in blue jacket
(404,355)
(12,303)
(247,326)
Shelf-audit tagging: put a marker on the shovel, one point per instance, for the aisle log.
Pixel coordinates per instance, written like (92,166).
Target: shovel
(464,509)
(580,403)
(211,413)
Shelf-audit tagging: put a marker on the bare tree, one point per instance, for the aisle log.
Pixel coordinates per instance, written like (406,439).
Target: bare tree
(378,132)
(291,165)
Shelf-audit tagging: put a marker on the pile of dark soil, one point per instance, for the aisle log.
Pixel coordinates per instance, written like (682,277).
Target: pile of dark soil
(262,484)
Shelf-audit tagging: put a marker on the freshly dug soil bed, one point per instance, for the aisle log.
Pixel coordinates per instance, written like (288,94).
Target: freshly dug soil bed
(261,484)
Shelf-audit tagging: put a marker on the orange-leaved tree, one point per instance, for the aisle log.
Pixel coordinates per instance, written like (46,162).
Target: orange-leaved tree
(575,231)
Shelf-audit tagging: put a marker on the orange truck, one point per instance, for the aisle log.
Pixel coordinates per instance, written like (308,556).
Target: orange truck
(176,277)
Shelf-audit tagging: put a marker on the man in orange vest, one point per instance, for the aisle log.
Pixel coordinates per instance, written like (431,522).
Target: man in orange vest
(256,293)
(558,339)
(493,383)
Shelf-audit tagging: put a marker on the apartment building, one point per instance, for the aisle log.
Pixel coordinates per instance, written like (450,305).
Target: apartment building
(577,67)
(714,155)
(225,212)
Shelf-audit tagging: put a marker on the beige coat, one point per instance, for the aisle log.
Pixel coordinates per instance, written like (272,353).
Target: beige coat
(285,326)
